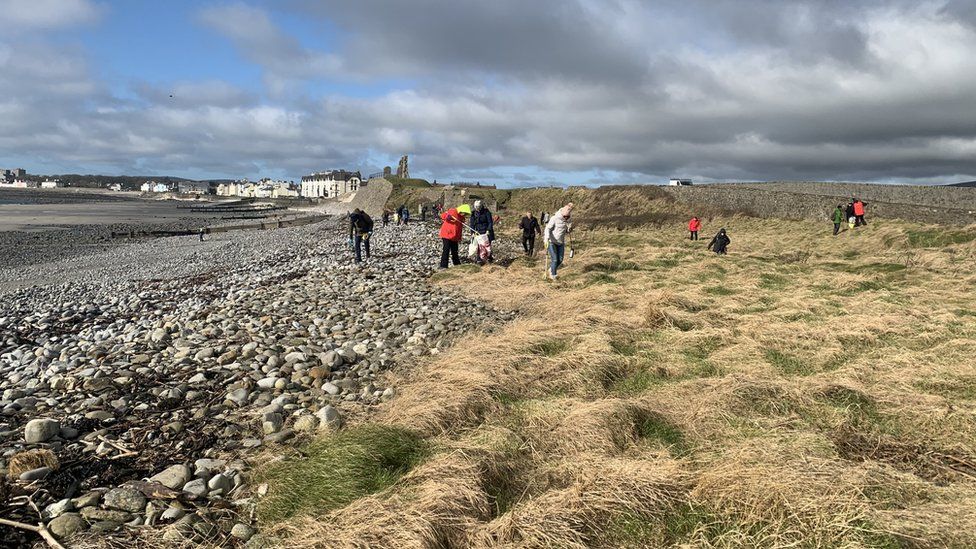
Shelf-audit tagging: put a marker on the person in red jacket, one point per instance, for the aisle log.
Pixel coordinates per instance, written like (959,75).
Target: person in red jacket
(693,227)
(859,213)
(452,230)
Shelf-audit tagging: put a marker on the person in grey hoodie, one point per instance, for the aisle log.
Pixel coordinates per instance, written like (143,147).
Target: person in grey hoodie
(557,228)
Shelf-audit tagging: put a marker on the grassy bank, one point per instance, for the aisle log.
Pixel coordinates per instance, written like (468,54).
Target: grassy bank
(803,391)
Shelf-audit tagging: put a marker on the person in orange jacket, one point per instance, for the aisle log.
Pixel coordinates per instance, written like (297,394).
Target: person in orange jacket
(859,213)
(693,227)
(452,230)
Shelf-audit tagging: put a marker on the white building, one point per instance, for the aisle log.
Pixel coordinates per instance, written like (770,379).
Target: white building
(154,187)
(330,184)
(49,184)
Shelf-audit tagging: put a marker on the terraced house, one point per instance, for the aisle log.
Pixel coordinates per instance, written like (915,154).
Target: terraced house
(330,184)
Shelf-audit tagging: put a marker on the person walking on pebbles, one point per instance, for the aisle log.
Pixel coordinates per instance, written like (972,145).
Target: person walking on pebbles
(554,238)
(483,223)
(530,228)
(360,228)
(452,230)
(720,243)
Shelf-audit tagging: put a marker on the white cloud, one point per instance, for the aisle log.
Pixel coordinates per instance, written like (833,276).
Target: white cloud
(46,14)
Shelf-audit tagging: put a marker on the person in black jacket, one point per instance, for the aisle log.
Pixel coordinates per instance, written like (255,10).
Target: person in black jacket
(530,227)
(360,228)
(720,242)
(482,222)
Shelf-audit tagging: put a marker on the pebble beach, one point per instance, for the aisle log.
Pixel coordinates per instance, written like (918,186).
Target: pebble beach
(139,378)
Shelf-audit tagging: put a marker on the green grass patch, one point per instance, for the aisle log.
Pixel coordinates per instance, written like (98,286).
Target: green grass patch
(772,281)
(697,356)
(718,290)
(337,470)
(938,238)
(657,428)
(615,240)
(788,364)
(638,382)
(614,265)
(550,348)
(868,286)
(455,271)
(963,387)
(600,278)
(866,268)
(665,262)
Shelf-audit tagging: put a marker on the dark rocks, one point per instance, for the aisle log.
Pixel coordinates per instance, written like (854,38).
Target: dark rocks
(66,525)
(152,354)
(125,499)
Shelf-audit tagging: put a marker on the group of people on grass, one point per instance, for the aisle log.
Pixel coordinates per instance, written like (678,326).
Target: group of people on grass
(554,229)
(482,225)
(853,214)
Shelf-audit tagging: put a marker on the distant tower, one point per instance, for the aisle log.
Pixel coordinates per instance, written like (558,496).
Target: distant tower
(403,170)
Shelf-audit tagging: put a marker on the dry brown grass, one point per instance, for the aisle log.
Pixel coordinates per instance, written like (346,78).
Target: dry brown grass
(804,391)
(28,460)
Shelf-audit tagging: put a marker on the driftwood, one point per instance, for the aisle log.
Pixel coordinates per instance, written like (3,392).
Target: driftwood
(39,530)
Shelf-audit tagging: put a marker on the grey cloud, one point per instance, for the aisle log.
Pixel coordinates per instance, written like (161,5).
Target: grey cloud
(263,42)
(522,92)
(534,39)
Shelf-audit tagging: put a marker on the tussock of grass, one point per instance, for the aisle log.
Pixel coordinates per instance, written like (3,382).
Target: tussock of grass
(772,281)
(550,348)
(574,516)
(938,238)
(335,471)
(788,364)
(615,265)
(719,290)
(652,426)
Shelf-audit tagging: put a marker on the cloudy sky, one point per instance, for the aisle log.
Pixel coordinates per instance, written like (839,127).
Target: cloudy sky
(517,92)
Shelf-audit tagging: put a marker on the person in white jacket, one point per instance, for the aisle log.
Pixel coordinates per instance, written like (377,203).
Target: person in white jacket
(557,228)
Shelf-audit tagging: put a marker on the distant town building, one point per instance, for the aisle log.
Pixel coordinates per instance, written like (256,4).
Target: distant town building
(330,184)
(194,187)
(115,187)
(675,182)
(51,184)
(235,188)
(9,176)
(156,187)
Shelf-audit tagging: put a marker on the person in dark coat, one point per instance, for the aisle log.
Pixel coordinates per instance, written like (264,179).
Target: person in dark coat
(530,228)
(849,211)
(482,222)
(386,217)
(720,242)
(360,228)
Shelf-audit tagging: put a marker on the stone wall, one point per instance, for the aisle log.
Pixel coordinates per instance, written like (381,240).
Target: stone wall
(802,200)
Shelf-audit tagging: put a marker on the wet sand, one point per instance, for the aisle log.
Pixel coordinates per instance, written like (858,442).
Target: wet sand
(60,209)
